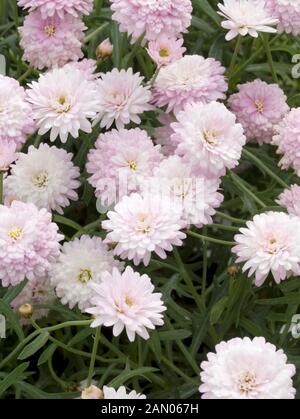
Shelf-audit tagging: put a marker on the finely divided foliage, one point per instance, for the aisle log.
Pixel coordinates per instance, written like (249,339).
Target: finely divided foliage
(149,199)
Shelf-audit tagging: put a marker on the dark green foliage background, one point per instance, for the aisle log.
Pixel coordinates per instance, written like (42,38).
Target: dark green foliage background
(218,306)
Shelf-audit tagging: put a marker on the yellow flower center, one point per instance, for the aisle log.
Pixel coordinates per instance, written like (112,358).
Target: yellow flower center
(210,136)
(259,106)
(247,383)
(129,301)
(85,276)
(164,52)
(15,233)
(143,225)
(64,106)
(132,165)
(41,179)
(50,30)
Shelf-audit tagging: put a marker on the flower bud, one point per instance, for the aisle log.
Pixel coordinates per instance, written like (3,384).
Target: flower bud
(92,392)
(26,311)
(105,49)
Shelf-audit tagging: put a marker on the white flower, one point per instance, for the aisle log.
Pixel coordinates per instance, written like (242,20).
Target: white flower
(111,393)
(45,177)
(126,301)
(81,261)
(63,102)
(245,17)
(122,98)
(247,369)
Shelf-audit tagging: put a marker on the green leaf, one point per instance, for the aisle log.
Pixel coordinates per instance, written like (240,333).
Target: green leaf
(34,346)
(208,9)
(13,377)
(47,354)
(179,334)
(13,319)
(127,375)
(13,292)
(218,309)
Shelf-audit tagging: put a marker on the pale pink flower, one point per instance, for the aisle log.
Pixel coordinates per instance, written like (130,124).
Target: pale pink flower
(92,393)
(127,301)
(7,154)
(247,369)
(49,8)
(290,199)
(136,17)
(141,225)
(29,243)
(87,67)
(16,121)
(122,98)
(190,79)
(36,293)
(119,157)
(163,134)
(166,50)
(63,102)
(269,244)
(110,393)
(52,41)
(209,136)
(288,14)
(259,106)
(287,139)
(104,49)
(246,17)
(44,176)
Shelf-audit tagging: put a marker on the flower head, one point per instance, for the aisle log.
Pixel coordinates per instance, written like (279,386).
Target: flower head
(209,136)
(245,17)
(290,199)
(49,8)
(104,49)
(63,102)
(152,18)
(288,14)
(111,393)
(269,244)
(259,106)
(80,262)
(190,79)
(7,154)
(141,225)
(127,301)
(45,177)
(128,155)
(35,293)
(163,134)
(164,50)
(52,41)
(87,67)
(29,243)
(122,98)
(235,371)
(15,112)
(287,139)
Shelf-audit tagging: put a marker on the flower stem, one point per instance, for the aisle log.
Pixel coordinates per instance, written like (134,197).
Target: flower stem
(240,184)
(96,32)
(210,239)
(265,39)
(93,358)
(230,218)
(235,55)
(67,222)
(264,168)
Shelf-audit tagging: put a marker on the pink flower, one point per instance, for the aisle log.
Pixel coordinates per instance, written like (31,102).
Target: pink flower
(127,301)
(122,98)
(92,393)
(270,244)
(165,50)
(7,154)
(49,8)
(192,78)
(170,17)
(125,155)
(141,225)
(105,49)
(209,136)
(288,14)
(16,120)
(163,134)
(52,41)
(290,199)
(87,67)
(259,107)
(247,369)
(245,17)
(29,243)
(287,139)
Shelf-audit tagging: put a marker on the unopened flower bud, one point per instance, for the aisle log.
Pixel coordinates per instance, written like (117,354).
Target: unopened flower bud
(92,392)
(105,49)
(232,270)
(26,311)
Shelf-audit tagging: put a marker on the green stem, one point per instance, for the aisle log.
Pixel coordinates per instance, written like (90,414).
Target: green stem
(177,370)
(55,377)
(96,32)
(67,222)
(93,358)
(265,39)
(25,75)
(264,168)
(235,55)
(1,187)
(210,239)
(204,270)
(223,227)
(230,218)
(187,279)
(238,181)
